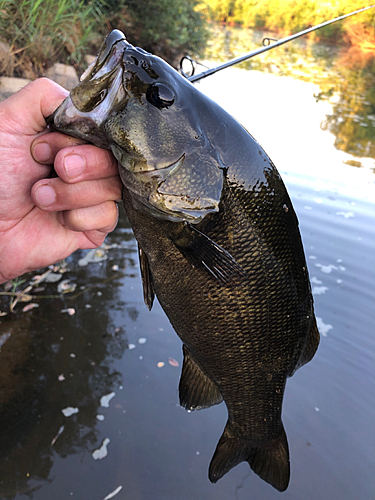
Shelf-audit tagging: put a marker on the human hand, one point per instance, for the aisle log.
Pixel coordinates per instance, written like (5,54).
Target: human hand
(44,219)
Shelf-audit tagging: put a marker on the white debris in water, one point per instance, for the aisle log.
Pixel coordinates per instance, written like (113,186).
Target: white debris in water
(72,355)
(338,281)
(141,357)
(88,306)
(322,327)
(115,267)
(327,269)
(347,215)
(319,290)
(95,255)
(197,453)
(3,338)
(70,311)
(316,408)
(60,378)
(69,411)
(142,340)
(315,280)
(100,417)
(318,200)
(57,435)
(114,493)
(52,278)
(104,400)
(66,287)
(101,452)
(131,346)
(30,306)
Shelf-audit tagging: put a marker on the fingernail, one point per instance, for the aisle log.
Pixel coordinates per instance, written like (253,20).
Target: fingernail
(45,196)
(74,165)
(42,152)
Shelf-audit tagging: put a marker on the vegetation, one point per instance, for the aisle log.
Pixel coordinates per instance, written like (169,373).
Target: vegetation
(289,16)
(34,34)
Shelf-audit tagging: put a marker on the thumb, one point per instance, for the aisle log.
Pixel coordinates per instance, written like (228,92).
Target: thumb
(27,109)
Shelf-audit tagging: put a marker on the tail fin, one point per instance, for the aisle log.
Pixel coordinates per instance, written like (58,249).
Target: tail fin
(270,461)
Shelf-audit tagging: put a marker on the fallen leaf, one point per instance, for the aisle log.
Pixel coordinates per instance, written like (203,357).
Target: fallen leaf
(29,307)
(173,362)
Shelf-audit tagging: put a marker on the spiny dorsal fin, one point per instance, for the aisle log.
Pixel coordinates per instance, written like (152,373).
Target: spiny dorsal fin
(148,289)
(196,390)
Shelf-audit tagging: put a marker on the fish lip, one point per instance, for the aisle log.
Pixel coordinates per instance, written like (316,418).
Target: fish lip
(100,65)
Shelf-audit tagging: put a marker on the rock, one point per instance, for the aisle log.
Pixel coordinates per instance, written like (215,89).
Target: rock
(64,75)
(89,59)
(10,85)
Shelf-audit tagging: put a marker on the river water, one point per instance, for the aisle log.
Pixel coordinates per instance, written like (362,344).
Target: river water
(88,380)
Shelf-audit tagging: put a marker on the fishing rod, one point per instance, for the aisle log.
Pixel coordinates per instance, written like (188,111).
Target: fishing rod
(194,78)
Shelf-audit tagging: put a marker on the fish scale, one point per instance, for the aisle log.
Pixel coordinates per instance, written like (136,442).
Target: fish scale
(219,245)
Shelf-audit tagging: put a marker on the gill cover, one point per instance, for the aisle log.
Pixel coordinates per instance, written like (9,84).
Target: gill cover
(137,105)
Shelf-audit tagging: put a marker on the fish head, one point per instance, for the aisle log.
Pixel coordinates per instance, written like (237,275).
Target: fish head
(136,105)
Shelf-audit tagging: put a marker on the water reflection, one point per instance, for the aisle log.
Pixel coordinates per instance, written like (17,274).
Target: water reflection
(51,361)
(345,78)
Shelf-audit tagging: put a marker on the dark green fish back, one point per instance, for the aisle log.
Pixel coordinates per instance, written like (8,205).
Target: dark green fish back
(243,338)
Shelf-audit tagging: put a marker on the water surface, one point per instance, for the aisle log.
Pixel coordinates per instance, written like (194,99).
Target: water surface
(299,108)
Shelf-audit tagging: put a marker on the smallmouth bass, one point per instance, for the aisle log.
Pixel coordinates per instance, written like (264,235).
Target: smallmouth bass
(219,244)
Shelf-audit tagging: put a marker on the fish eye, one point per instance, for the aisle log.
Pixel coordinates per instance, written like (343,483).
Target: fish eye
(160,96)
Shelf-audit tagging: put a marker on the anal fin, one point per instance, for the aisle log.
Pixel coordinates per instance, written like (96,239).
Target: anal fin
(269,461)
(196,389)
(148,289)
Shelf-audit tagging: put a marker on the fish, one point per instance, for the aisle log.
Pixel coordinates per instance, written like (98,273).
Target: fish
(219,244)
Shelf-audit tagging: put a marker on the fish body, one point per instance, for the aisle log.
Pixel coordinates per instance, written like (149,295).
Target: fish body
(219,244)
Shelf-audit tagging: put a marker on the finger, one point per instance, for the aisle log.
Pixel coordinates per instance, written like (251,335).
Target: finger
(46,146)
(83,163)
(54,195)
(102,218)
(40,98)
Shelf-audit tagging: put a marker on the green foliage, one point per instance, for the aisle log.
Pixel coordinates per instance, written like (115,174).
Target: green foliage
(289,16)
(169,29)
(42,32)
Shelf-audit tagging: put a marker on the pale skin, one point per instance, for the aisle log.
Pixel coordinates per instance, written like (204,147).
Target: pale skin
(44,219)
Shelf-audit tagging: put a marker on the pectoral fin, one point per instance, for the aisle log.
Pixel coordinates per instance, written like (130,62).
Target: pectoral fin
(196,389)
(204,253)
(148,289)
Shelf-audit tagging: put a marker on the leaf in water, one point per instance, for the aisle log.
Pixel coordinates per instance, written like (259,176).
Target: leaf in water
(66,287)
(173,362)
(104,400)
(70,311)
(114,493)
(102,451)
(29,307)
(69,411)
(53,278)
